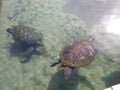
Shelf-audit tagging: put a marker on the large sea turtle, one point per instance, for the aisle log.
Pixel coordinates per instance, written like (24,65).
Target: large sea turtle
(26,37)
(77,54)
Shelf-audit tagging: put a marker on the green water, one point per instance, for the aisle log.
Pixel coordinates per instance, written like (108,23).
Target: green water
(49,18)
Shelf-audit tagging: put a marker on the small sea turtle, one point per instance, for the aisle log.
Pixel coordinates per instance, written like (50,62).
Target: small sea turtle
(27,37)
(77,54)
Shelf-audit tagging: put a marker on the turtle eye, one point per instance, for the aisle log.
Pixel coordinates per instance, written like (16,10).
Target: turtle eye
(9,30)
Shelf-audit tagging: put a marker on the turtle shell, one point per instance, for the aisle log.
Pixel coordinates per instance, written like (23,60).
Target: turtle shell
(24,34)
(77,54)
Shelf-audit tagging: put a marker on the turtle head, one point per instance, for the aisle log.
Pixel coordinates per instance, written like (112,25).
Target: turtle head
(67,72)
(9,30)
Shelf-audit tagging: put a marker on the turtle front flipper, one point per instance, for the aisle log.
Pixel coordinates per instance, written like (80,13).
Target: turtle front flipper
(39,41)
(91,38)
(27,54)
(67,72)
(99,52)
(40,36)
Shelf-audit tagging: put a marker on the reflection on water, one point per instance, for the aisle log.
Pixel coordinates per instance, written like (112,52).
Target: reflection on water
(97,12)
(92,11)
(111,24)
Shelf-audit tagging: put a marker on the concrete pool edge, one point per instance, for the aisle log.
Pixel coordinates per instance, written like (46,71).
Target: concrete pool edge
(114,87)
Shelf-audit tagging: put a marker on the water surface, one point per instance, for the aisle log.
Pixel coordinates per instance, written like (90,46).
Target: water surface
(58,25)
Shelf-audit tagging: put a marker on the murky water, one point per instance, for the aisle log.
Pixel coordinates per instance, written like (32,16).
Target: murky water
(59,20)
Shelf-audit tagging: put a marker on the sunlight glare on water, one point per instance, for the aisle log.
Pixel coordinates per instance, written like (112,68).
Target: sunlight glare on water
(113,25)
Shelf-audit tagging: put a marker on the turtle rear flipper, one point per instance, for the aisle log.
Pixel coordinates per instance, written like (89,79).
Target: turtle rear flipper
(27,54)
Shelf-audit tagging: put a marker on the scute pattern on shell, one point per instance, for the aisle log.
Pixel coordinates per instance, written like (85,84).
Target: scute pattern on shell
(24,34)
(77,54)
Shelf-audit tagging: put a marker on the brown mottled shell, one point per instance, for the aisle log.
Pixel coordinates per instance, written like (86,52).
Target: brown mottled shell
(77,54)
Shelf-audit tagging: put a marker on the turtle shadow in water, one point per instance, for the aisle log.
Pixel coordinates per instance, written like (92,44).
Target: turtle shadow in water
(59,83)
(112,79)
(17,50)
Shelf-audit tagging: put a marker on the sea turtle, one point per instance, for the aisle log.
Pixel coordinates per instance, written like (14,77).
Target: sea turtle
(77,54)
(26,37)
